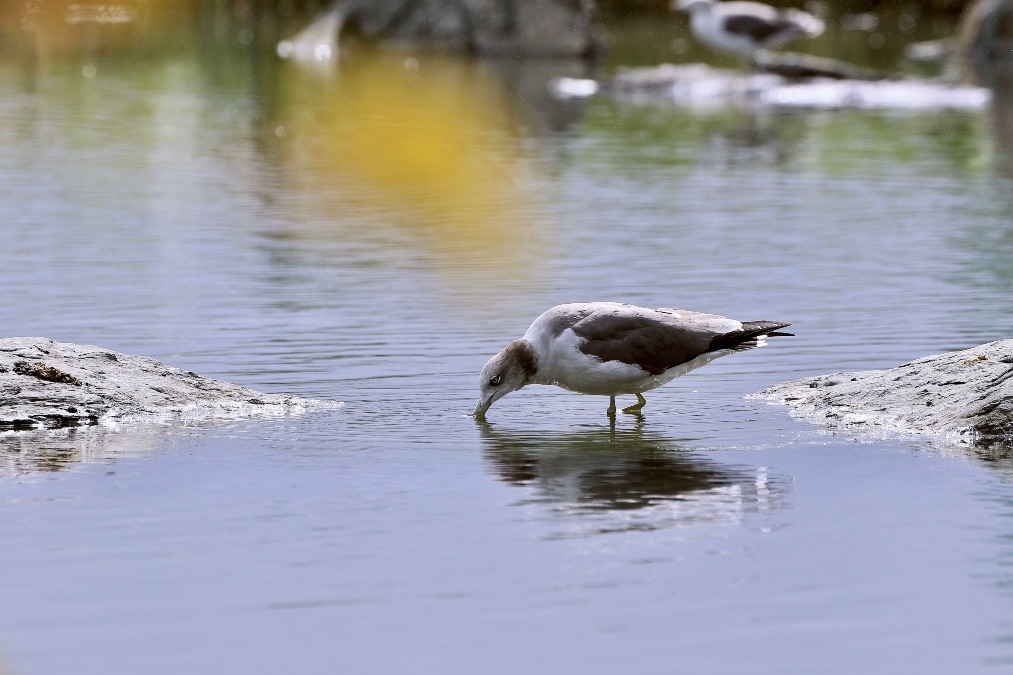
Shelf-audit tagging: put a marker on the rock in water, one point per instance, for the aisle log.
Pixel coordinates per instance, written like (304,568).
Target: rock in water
(56,384)
(966,394)
(986,30)
(514,28)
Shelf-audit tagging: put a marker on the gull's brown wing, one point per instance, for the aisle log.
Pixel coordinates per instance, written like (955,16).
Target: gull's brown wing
(658,340)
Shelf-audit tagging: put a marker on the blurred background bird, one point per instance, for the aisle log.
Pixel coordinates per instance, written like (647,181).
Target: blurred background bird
(743,28)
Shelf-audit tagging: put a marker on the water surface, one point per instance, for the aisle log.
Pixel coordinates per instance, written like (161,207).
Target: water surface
(204,208)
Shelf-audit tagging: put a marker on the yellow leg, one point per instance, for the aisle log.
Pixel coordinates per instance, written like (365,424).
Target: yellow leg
(611,412)
(641,401)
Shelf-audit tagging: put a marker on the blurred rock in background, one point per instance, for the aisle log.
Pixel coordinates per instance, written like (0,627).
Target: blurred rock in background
(539,28)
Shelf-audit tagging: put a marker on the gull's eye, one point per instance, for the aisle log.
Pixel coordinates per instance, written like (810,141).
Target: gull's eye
(495,380)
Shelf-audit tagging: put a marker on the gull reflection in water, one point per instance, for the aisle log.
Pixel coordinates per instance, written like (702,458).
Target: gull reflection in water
(607,480)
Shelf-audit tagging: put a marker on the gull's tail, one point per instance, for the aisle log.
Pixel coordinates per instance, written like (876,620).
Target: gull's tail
(752,334)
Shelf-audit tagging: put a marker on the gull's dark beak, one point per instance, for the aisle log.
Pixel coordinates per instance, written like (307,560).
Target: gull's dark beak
(482,406)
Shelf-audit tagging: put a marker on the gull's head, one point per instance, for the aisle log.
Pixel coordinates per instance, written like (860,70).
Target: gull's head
(691,5)
(508,371)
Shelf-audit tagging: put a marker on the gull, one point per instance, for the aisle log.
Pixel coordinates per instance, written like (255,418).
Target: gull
(744,27)
(610,348)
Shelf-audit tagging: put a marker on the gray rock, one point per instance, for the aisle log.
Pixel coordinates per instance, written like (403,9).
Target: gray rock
(986,30)
(966,395)
(488,27)
(47,384)
(984,34)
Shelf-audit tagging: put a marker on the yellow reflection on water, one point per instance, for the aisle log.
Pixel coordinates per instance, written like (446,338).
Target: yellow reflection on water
(415,151)
(423,145)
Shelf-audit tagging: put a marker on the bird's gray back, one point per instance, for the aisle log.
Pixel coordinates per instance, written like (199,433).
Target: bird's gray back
(654,340)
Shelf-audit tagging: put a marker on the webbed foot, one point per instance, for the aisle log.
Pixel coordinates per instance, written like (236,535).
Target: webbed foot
(636,407)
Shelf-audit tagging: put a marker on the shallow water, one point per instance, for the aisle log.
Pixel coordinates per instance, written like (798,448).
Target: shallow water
(205,210)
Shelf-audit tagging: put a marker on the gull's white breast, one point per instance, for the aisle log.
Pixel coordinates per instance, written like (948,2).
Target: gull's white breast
(564,365)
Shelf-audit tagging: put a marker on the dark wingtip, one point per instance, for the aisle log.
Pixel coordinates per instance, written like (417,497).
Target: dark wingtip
(746,337)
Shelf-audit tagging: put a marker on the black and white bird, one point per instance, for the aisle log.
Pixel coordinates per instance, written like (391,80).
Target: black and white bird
(742,27)
(608,348)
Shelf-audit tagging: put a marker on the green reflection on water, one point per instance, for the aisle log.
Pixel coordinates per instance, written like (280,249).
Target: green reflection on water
(646,137)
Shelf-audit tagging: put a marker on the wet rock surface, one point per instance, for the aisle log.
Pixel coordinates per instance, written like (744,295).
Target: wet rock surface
(966,394)
(47,384)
